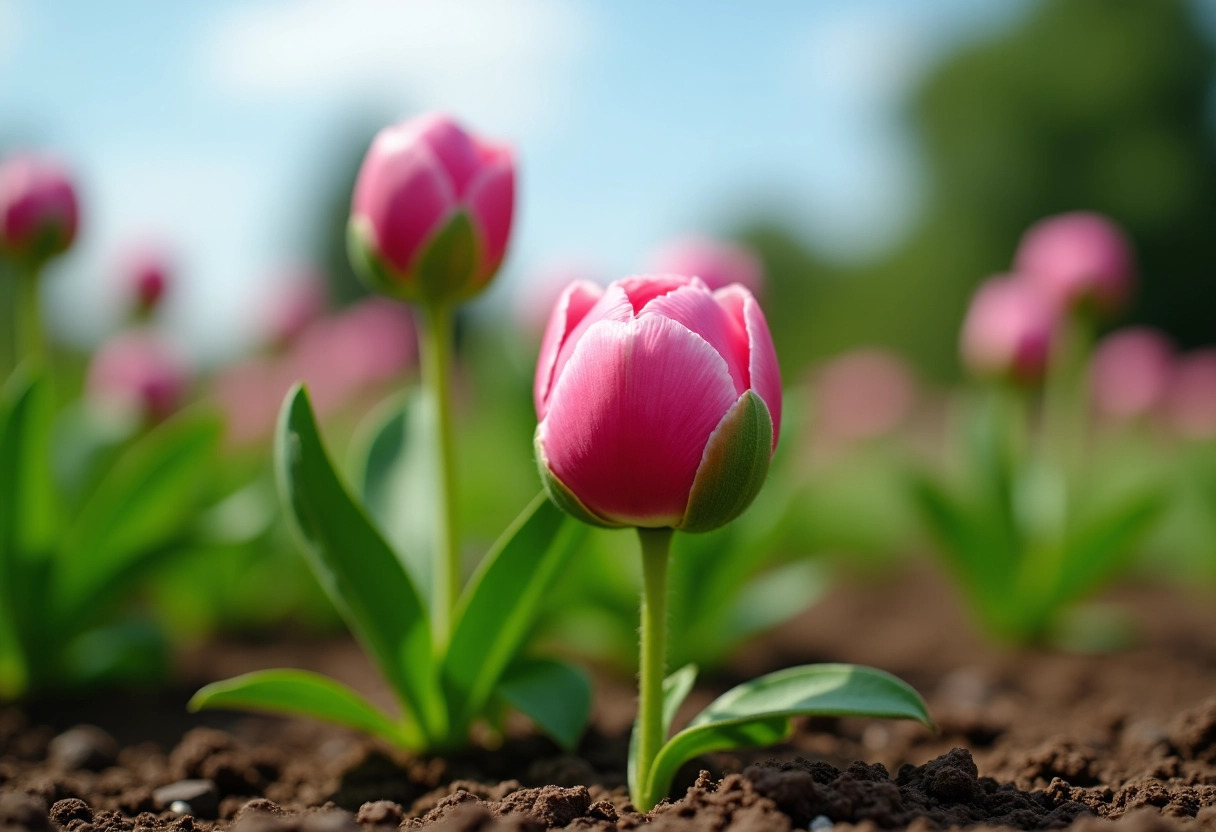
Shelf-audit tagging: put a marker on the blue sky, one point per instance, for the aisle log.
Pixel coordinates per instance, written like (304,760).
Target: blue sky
(213,126)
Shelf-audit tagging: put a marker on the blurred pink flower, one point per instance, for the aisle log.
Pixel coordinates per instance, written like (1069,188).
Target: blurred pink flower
(1130,372)
(717,262)
(138,374)
(419,179)
(1079,259)
(1190,404)
(863,394)
(538,293)
(647,393)
(292,305)
(39,215)
(1009,330)
(145,270)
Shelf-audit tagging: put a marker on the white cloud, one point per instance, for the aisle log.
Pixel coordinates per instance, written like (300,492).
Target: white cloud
(504,65)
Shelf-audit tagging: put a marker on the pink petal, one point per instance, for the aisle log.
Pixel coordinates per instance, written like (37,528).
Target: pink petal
(572,306)
(404,195)
(630,416)
(643,288)
(764,374)
(456,151)
(491,203)
(695,307)
(612,305)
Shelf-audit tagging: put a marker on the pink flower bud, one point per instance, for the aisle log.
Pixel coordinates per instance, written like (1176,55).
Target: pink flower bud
(1009,330)
(716,262)
(659,402)
(1080,259)
(38,211)
(145,269)
(1190,404)
(1130,372)
(432,211)
(863,394)
(137,375)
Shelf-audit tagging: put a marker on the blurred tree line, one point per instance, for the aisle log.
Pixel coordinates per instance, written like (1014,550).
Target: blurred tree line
(1088,104)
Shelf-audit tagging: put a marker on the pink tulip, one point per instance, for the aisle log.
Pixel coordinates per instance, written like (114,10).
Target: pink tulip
(432,211)
(1190,404)
(659,402)
(716,262)
(146,269)
(137,374)
(1130,372)
(38,210)
(1009,330)
(1079,259)
(863,394)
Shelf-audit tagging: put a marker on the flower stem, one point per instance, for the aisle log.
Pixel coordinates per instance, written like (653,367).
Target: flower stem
(656,554)
(437,377)
(30,344)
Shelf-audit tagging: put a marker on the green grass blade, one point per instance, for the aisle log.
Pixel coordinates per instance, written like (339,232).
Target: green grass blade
(357,569)
(301,693)
(500,607)
(554,695)
(758,713)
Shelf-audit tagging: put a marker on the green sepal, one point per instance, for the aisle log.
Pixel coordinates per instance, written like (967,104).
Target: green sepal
(733,467)
(562,496)
(445,271)
(361,248)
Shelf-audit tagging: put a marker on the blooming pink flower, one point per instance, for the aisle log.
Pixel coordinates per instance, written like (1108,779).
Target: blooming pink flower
(716,262)
(138,374)
(1190,404)
(1009,330)
(1130,372)
(863,394)
(432,210)
(38,209)
(659,402)
(1079,259)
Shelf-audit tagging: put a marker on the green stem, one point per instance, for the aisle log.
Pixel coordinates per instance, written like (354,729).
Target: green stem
(656,555)
(30,344)
(437,377)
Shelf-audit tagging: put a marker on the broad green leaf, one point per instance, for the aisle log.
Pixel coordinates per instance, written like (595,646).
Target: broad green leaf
(554,695)
(357,569)
(500,607)
(1101,548)
(676,688)
(15,409)
(758,713)
(148,498)
(301,693)
(395,471)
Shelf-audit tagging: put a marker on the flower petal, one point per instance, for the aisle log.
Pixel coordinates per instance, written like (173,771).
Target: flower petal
(612,305)
(405,197)
(698,310)
(491,203)
(572,306)
(630,416)
(643,288)
(764,374)
(456,151)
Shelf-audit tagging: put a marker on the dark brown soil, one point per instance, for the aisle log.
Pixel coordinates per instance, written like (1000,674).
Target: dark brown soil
(1060,741)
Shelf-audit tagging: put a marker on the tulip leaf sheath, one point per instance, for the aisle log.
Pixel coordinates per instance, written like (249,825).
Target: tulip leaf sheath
(733,468)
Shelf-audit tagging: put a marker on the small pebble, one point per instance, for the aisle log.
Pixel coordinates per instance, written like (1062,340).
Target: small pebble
(820,823)
(84,746)
(200,797)
(180,807)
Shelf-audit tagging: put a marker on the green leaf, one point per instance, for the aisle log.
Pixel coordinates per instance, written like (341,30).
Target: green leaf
(676,688)
(1100,549)
(125,651)
(758,713)
(554,695)
(357,569)
(771,599)
(15,412)
(501,604)
(396,474)
(149,497)
(301,693)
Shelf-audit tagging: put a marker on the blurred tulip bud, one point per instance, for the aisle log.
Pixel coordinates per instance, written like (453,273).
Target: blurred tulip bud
(659,402)
(136,375)
(1190,405)
(1009,330)
(38,210)
(1080,259)
(716,262)
(863,394)
(1130,373)
(145,270)
(432,210)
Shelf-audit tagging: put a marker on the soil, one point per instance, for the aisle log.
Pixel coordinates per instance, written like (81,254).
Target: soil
(1028,740)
